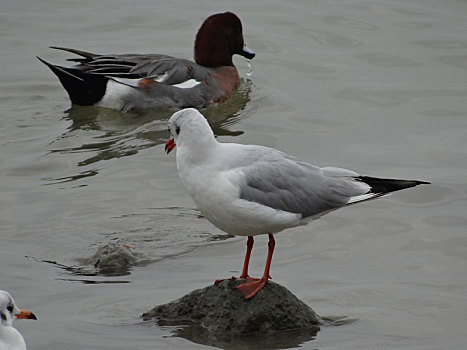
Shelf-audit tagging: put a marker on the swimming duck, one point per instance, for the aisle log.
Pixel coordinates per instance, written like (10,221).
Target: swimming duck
(154,81)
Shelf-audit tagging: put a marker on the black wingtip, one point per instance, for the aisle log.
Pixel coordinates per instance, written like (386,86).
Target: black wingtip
(383,186)
(423,182)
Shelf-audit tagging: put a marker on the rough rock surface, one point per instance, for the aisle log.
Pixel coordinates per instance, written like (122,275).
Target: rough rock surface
(219,315)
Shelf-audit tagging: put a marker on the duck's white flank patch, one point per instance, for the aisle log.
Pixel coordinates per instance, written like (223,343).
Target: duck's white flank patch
(115,93)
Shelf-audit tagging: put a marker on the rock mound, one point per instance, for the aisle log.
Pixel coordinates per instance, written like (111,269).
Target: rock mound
(219,315)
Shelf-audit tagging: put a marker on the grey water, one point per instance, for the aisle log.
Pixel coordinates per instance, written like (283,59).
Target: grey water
(379,87)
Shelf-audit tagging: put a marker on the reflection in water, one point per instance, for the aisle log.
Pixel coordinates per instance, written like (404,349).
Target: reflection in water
(81,175)
(79,272)
(278,340)
(104,134)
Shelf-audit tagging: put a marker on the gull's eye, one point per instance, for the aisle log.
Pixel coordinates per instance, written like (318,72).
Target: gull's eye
(10,308)
(177,130)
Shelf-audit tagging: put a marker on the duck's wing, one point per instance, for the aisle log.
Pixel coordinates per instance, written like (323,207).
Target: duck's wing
(161,68)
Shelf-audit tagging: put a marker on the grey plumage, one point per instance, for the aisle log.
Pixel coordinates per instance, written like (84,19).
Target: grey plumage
(283,182)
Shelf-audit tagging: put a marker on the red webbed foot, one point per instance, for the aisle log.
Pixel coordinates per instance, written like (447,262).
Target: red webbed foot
(252,286)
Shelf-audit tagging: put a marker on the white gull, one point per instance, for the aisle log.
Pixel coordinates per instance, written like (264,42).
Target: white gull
(249,190)
(10,338)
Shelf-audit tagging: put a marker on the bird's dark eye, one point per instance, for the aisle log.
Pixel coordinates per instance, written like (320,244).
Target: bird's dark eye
(177,130)
(10,308)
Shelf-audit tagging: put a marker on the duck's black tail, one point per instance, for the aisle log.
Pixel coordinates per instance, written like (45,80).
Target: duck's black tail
(384,186)
(84,88)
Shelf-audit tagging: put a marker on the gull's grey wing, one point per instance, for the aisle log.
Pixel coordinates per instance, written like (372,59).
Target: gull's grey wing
(282,182)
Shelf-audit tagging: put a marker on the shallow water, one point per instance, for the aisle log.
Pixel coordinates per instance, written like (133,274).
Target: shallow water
(378,87)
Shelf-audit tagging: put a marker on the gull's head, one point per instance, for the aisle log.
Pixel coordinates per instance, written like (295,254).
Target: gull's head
(189,127)
(9,310)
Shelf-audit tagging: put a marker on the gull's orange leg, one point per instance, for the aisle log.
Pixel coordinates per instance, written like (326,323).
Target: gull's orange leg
(249,247)
(249,289)
(244,275)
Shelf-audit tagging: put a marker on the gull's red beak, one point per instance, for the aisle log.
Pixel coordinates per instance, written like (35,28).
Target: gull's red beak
(26,314)
(170,145)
